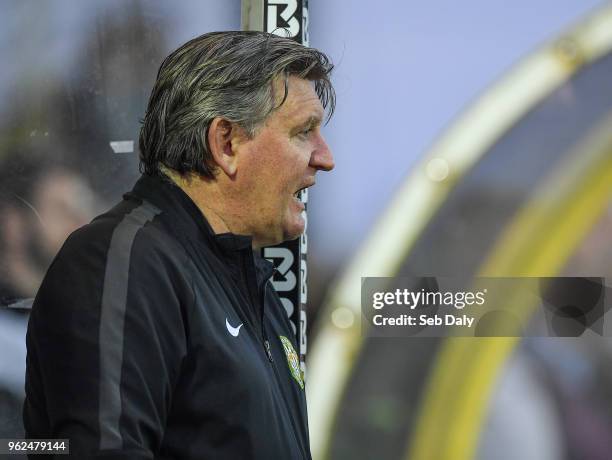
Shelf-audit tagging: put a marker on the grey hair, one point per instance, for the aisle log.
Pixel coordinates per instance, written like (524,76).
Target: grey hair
(221,74)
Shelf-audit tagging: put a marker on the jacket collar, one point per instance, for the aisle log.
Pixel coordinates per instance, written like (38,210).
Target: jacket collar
(184,213)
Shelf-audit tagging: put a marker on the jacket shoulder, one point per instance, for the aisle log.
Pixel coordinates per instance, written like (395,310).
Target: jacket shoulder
(127,241)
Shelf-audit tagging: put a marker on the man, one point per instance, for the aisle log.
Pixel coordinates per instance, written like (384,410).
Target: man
(41,202)
(156,333)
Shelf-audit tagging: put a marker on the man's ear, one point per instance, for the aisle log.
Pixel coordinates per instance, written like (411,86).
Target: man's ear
(222,141)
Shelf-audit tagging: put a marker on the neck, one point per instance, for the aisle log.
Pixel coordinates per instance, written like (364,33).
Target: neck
(214,204)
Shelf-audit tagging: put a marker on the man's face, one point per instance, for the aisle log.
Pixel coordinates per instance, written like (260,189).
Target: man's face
(33,230)
(64,202)
(280,160)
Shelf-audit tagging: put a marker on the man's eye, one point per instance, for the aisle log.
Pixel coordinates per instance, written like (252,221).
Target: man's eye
(305,133)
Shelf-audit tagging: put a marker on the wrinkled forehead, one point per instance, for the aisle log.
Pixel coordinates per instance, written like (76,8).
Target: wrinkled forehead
(302,101)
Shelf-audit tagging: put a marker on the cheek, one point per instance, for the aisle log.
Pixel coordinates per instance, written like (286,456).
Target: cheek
(280,177)
(275,170)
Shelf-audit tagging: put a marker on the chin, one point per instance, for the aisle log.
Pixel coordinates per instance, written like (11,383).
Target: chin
(279,238)
(292,236)
(294,230)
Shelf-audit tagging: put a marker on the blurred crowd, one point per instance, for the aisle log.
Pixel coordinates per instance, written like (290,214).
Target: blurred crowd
(41,202)
(60,115)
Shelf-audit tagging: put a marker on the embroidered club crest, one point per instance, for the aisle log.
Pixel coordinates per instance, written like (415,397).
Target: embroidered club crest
(292,360)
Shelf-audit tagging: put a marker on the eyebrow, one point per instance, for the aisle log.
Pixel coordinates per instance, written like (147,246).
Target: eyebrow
(312,121)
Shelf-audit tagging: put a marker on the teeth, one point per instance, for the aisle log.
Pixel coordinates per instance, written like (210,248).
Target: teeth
(297,194)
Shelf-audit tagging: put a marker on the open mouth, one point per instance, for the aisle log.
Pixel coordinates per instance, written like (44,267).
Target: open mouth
(297,193)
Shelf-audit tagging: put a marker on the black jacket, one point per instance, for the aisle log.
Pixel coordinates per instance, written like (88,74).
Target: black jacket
(135,349)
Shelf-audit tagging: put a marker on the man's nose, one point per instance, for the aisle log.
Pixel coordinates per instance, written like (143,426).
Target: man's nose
(322,157)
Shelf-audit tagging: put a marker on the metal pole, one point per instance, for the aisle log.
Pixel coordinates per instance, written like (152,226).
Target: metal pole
(286,18)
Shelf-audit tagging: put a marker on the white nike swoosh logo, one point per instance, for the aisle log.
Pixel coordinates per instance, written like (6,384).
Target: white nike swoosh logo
(231,329)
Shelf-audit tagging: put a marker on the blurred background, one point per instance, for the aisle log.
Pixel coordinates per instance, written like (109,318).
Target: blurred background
(471,138)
